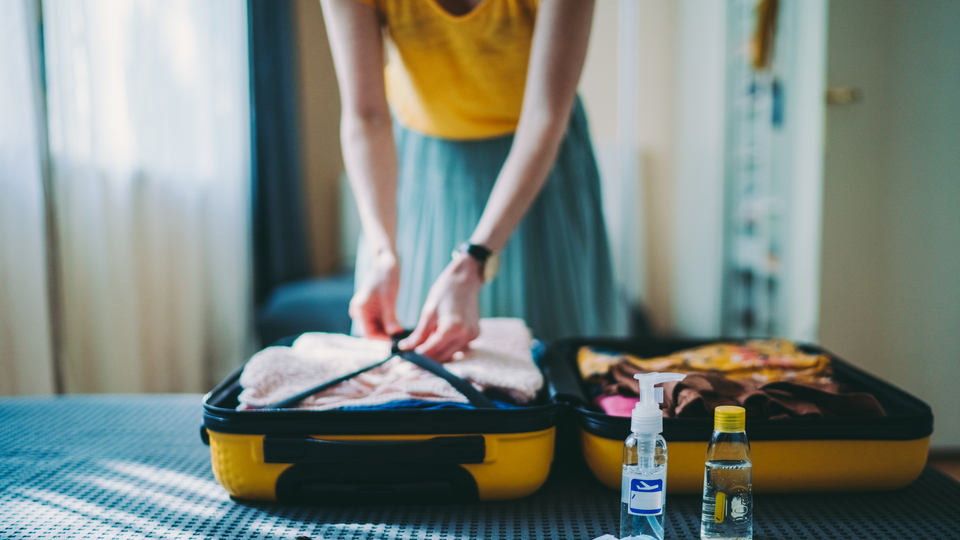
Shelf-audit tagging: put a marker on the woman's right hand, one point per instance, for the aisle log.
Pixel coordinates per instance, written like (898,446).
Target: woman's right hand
(374,304)
(369,156)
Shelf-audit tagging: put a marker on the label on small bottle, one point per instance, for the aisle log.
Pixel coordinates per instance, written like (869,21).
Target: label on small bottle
(644,495)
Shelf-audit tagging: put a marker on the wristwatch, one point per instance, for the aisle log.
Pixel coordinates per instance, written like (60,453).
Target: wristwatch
(489,259)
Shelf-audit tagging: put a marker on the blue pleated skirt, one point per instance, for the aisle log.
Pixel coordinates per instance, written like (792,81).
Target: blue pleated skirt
(555,271)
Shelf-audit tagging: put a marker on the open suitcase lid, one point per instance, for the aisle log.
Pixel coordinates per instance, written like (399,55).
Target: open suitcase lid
(907,417)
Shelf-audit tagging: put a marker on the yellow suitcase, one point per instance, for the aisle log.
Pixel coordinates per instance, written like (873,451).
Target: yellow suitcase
(789,455)
(365,456)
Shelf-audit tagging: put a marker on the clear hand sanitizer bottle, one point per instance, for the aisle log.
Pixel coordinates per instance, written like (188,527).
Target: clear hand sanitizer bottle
(728,479)
(644,486)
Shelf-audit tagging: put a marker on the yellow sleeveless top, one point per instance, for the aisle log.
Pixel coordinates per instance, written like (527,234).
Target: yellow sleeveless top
(457,77)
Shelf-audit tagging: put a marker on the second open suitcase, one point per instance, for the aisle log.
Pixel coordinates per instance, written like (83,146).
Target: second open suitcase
(789,455)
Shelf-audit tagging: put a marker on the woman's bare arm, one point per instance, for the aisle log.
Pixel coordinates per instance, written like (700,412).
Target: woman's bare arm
(556,61)
(450,317)
(369,154)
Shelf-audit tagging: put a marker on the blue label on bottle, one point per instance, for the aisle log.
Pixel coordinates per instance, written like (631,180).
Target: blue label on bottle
(646,497)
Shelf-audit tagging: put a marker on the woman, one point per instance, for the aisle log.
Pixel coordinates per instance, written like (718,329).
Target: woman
(490,144)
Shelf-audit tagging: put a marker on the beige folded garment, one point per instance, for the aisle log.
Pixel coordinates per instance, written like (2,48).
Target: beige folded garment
(500,358)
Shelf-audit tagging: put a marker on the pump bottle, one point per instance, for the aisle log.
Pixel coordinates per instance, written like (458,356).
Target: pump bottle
(728,479)
(644,485)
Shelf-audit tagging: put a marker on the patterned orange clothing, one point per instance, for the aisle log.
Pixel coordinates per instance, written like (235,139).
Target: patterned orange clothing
(759,360)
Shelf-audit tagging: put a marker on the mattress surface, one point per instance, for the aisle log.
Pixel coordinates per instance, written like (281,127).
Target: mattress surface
(134,467)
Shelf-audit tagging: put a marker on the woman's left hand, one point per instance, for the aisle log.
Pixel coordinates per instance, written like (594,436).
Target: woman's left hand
(451,314)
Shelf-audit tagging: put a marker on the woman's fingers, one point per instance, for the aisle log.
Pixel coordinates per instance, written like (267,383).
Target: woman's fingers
(447,340)
(370,324)
(373,306)
(390,323)
(426,326)
(375,315)
(386,315)
(451,314)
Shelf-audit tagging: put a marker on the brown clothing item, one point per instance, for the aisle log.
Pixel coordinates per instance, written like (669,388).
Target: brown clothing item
(700,393)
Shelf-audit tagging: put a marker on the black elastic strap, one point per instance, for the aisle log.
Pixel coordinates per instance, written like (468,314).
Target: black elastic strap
(476,398)
(291,401)
(478,252)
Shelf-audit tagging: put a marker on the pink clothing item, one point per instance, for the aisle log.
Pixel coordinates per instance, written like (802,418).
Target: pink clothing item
(617,405)
(500,358)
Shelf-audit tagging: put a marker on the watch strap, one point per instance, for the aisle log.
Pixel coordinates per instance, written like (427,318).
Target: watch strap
(476,251)
(488,259)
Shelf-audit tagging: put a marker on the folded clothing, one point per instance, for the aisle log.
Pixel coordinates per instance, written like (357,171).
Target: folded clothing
(762,361)
(499,362)
(617,405)
(697,395)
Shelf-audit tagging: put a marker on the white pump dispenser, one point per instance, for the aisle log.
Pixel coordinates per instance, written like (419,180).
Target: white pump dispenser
(644,486)
(647,417)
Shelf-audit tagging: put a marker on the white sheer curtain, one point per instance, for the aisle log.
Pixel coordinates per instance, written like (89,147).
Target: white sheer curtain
(26,362)
(148,113)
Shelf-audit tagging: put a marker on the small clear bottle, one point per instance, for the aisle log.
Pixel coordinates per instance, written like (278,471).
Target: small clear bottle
(728,479)
(644,486)
(644,461)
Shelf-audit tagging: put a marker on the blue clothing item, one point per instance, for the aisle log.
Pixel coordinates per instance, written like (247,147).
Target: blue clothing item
(538,349)
(555,271)
(423,405)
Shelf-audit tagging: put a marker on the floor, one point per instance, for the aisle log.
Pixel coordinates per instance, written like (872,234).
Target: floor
(949,464)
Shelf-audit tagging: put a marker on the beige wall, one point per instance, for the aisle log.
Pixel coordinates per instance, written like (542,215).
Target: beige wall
(890,294)
(658,53)
(598,87)
(598,82)
(320,136)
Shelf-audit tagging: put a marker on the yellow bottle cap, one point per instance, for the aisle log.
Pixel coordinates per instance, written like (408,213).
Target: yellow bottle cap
(729,419)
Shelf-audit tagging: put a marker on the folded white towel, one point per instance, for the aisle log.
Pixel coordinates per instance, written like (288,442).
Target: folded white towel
(499,358)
